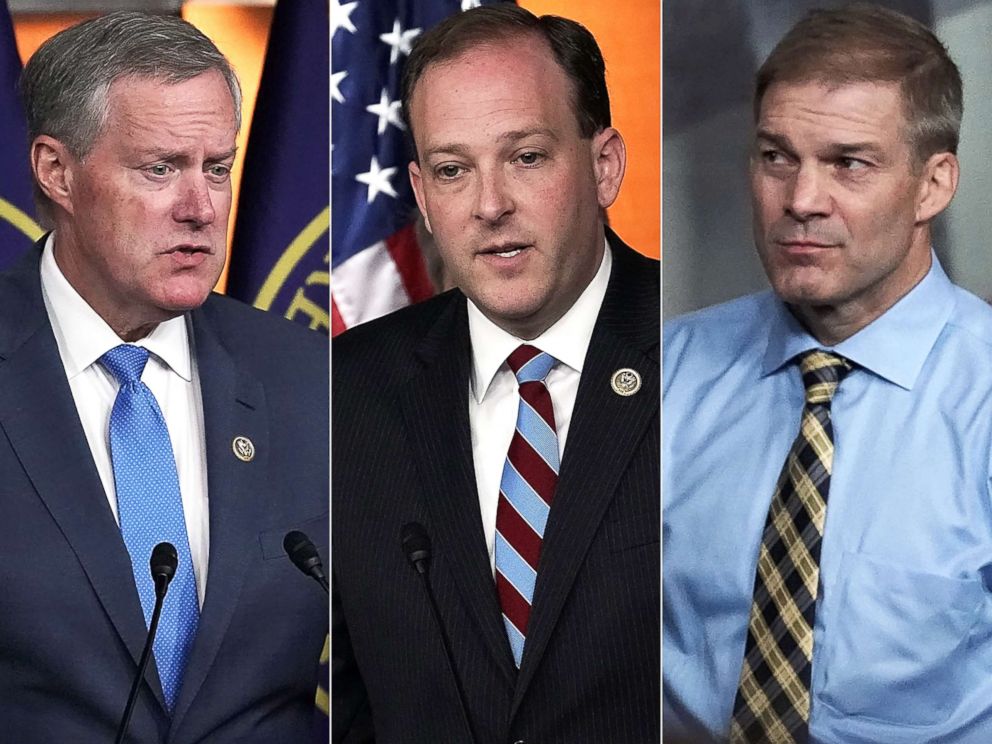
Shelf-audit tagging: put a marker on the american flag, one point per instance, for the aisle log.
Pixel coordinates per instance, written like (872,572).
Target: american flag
(377,266)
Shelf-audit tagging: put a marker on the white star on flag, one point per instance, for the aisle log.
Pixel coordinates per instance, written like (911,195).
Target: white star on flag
(469,4)
(341,16)
(336,78)
(377,179)
(387,111)
(399,40)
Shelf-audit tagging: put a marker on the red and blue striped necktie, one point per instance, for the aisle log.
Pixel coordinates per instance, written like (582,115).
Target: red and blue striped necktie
(526,490)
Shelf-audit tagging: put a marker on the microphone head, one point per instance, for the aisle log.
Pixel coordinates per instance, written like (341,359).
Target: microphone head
(416,545)
(164,561)
(301,551)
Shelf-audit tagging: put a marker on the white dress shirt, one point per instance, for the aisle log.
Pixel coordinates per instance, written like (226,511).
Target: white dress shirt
(493,396)
(83,337)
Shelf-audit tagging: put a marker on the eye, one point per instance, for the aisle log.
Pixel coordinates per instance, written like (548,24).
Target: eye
(448,171)
(851,164)
(159,169)
(772,157)
(530,158)
(219,171)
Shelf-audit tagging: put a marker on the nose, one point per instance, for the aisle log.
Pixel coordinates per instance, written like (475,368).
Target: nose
(809,195)
(195,202)
(493,200)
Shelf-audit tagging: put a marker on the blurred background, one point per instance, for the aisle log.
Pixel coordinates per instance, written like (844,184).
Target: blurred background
(711,51)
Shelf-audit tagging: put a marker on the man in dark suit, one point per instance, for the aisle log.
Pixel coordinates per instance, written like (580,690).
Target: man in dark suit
(136,407)
(453,414)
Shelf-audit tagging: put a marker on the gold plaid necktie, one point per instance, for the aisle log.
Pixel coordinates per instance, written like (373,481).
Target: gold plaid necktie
(773,697)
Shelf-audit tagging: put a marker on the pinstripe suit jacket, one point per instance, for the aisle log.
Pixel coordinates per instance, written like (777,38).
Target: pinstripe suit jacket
(402,452)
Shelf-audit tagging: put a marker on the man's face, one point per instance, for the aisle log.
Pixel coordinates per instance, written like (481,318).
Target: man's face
(837,218)
(146,231)
(508,187)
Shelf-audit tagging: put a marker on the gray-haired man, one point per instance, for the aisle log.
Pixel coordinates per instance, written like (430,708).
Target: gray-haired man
(137,408)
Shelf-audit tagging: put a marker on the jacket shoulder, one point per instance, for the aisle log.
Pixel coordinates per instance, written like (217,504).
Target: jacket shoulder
(385,342)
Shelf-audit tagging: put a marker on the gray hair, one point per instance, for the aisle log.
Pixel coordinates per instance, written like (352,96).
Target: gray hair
(65,83)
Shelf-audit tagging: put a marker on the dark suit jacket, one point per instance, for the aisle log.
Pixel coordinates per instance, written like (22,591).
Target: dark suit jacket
(71,626)
(402,453)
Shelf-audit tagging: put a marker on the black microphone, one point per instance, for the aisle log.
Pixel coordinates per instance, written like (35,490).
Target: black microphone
(303,553)
(163,565)
(417,548)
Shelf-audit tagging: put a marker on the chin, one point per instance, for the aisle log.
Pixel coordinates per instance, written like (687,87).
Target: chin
(802,286)
(177,303)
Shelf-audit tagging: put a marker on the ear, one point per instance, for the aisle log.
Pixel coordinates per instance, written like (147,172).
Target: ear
(609,161)
(417,182)
(937,185)
(52,164)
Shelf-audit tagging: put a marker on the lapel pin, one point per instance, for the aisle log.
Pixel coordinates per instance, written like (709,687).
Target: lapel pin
(244,450)
(626,382)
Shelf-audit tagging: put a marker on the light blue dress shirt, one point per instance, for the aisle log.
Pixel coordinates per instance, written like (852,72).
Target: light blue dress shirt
(902,647)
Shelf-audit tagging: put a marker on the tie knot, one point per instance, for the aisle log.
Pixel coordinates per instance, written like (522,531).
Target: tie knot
(125,362)
(530,364)
(822,373)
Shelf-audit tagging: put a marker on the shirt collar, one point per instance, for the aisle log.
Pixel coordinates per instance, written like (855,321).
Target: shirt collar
(567,340)
(893,346)
(83,336)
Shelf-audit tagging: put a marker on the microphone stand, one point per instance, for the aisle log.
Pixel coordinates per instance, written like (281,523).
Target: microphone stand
(162,575)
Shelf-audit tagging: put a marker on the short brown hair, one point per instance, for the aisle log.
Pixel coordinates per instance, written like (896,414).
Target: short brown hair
(572,45)
(868,43)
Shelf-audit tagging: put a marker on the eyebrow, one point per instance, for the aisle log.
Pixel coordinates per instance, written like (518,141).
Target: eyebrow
(839,149)
(229,155)
(179,155)
(779,140)
(515,135)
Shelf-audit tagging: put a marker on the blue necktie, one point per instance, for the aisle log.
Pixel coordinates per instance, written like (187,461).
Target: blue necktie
(530,475)
(151,510)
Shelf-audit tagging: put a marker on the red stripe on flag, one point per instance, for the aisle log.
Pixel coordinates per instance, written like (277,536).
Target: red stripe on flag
(337,322)
(513,605)
(405,252)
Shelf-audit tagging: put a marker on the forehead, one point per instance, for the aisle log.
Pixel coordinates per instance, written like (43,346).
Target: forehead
(490,89)
(819,111)
(203,102)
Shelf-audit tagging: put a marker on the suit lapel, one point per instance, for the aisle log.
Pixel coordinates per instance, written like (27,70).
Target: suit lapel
(435,410)
(603,436)
(233,405)
(39,417)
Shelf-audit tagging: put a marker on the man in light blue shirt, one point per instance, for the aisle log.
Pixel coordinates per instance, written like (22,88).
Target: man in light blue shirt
(857,116)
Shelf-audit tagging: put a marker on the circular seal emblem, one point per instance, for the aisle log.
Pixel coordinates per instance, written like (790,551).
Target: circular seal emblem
(626,382)
(243,448)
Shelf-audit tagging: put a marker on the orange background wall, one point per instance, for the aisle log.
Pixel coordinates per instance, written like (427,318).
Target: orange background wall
(241,33)
(629,33)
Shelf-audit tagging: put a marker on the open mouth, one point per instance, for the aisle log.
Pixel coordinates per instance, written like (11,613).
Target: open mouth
(505,250)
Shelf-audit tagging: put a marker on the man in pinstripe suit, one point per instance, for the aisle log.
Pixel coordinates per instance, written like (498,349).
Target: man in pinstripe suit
(544,562)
